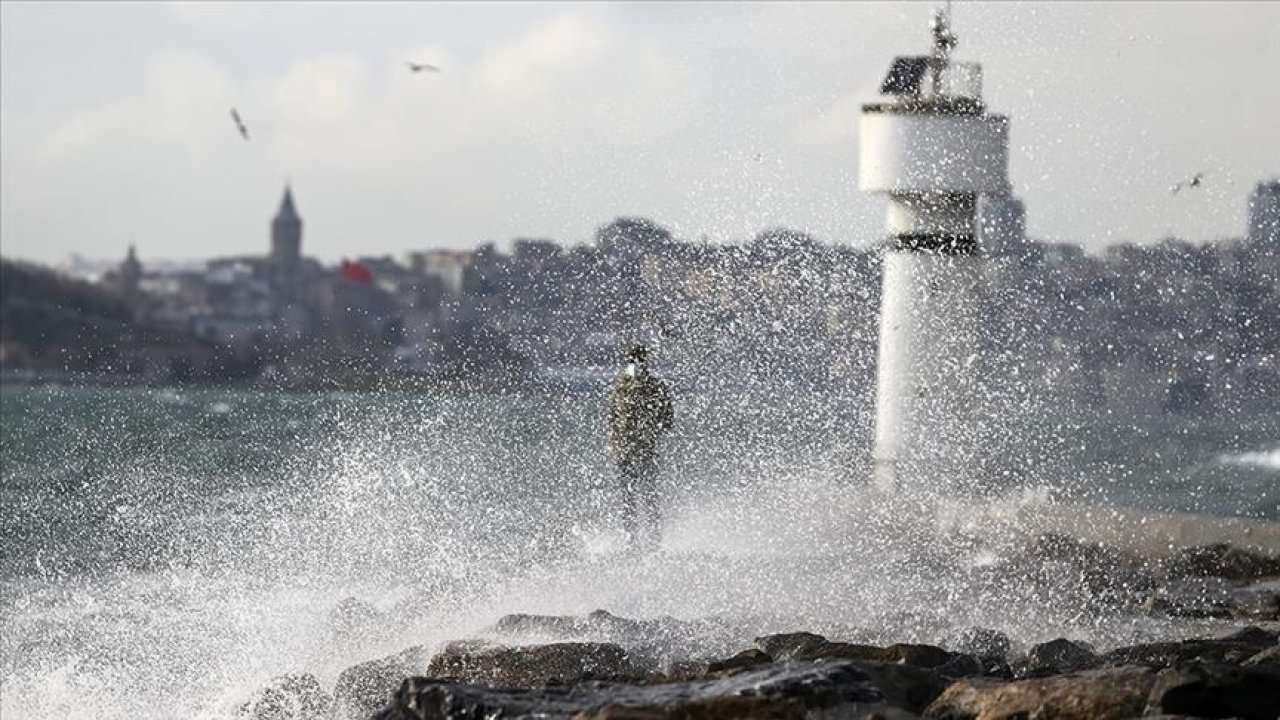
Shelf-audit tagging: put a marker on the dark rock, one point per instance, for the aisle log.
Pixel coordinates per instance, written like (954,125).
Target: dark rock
(1222,560)
(1054,658)
(1101,570)
(687,670)
(745,659)
(879,711)
(352,616)
(1217,691)
(1197,597)
(920,655)
(905,686)
(784,645)
(979,641)
(1168,654)
(651,641)
(962,665)
(521,624)
(598,625)
(780,690)
(532,665)
(1253,635)
(1267,658)
(745,708)
(1256,602)
(362,690)
(999,670)
(288,697)
(1111,694)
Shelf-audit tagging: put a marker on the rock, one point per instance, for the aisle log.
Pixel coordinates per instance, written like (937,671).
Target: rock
(745,659)
(790,690)
(597,625)
(784,645)
(687,670)
(1253,635)
(746,708)
(1197,597)
(905,686)
(1054,658)
(1256,602)
(1217,691)
(962,665)
(352,616)
(1102,570)
(287,697)
(651,641)
(1267,658)
(1168,654)
(1111,694)
(532,665)
(362,690)
(920,655)
(981,642)
(880,711)
(1222,560)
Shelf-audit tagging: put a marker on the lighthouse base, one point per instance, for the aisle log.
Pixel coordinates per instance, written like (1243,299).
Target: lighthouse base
(927,372)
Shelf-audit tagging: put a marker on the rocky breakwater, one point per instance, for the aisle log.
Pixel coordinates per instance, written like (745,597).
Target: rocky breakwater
(603,666)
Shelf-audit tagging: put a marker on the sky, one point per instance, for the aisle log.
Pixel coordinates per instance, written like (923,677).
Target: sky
(548,120)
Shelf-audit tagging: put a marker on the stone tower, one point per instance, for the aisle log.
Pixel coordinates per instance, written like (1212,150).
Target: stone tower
(286,254)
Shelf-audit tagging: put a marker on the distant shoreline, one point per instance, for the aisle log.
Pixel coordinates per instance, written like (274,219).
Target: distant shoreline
(20,378)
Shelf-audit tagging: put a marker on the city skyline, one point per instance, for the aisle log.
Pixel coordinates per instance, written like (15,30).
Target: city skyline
(549,120)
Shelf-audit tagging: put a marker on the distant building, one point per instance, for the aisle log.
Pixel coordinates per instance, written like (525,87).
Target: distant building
(1264,215)
(449,266)
(632,236)
(286,252)
(129,278)
(1001,226)
(534,252)
(285,268)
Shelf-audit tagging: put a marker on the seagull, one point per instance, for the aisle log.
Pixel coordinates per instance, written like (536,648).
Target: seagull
(419,67)
(244,131)
(1196,181)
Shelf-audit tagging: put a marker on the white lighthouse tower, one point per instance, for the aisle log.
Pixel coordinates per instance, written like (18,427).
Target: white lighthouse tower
(930,145)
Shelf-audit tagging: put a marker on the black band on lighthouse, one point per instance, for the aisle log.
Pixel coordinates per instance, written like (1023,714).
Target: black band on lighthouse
(935,243)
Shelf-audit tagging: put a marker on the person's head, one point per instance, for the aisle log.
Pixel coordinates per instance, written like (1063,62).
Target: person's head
(637,360)
(638,354)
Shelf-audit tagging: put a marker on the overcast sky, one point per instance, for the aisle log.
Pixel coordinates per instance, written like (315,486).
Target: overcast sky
(548,120)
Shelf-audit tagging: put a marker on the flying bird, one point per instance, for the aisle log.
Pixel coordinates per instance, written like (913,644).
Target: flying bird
(244,131)
(1196,181)
(419,67)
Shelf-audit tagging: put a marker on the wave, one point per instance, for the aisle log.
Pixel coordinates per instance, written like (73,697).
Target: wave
(1265,459)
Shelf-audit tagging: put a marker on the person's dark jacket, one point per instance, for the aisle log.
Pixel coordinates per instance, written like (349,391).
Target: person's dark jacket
(640,410)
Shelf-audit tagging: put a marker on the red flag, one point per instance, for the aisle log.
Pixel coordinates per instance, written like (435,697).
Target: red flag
(355,272)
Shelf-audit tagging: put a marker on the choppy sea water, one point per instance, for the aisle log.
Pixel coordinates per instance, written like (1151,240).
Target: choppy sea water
(165,552)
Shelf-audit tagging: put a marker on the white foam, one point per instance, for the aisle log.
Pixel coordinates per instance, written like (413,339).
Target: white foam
(1265,459)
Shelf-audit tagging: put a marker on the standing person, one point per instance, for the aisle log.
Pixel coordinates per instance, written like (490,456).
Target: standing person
(640,411)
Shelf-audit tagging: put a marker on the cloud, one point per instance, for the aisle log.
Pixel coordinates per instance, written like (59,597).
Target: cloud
(547,56)
(222,15)
(321,91)
(515,140)
(181,95)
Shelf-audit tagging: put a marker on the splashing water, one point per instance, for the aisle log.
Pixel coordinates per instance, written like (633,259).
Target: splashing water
(166,553)
(1266,459)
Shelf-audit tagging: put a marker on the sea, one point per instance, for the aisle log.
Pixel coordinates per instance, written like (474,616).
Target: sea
(164,552)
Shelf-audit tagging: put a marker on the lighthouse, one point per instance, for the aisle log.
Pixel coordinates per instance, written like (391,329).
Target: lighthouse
(929,145)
